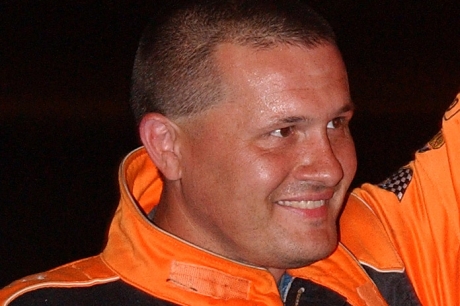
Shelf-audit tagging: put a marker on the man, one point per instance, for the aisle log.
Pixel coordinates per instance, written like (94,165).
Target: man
(243,111)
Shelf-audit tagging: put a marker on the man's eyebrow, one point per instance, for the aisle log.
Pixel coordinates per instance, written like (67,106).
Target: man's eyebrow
(349,107)
(295,119)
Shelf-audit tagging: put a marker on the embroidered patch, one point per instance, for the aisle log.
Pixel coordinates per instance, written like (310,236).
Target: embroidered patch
(435,143)
(452,111)
(398,182)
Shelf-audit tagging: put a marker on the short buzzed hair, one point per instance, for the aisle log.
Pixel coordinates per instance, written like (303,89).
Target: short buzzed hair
(174,71)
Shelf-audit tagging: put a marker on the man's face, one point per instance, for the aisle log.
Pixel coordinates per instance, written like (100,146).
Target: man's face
(266,170)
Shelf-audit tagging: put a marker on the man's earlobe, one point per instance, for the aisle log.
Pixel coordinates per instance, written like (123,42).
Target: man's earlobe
(159,136)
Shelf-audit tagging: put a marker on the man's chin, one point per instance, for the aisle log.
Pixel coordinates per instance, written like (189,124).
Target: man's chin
(308,257)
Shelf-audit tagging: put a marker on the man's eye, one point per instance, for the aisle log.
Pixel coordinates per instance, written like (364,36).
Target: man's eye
(283,132)
(336,123)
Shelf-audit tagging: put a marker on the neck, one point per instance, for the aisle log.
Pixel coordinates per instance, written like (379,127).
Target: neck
(277,273)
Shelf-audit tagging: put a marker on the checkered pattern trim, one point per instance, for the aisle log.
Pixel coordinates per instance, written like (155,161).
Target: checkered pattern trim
(398,182)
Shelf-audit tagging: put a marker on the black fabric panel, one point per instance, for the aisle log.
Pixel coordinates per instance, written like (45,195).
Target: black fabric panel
(396,288)
(115,293)
(312,294)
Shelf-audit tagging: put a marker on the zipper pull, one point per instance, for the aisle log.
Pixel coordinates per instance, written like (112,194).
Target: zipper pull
(299,293)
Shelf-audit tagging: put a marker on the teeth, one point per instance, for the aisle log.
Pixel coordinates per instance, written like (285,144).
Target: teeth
(302,204)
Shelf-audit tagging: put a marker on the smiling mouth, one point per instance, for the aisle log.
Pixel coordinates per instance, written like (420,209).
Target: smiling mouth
(302,204)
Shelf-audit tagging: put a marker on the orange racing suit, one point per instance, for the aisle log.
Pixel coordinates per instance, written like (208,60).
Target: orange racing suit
(399,245)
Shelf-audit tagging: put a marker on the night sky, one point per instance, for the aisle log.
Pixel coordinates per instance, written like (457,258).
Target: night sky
(65,122)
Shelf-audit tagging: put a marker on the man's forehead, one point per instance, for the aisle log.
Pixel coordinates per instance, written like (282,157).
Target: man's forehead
(282,87)
(273,66)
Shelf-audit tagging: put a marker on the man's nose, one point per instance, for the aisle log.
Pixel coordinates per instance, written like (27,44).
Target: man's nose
(318,162)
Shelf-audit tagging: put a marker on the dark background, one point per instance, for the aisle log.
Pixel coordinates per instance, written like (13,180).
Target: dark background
(65,123)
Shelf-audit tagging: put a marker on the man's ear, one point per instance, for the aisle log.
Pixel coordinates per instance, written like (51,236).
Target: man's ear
(160,138)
